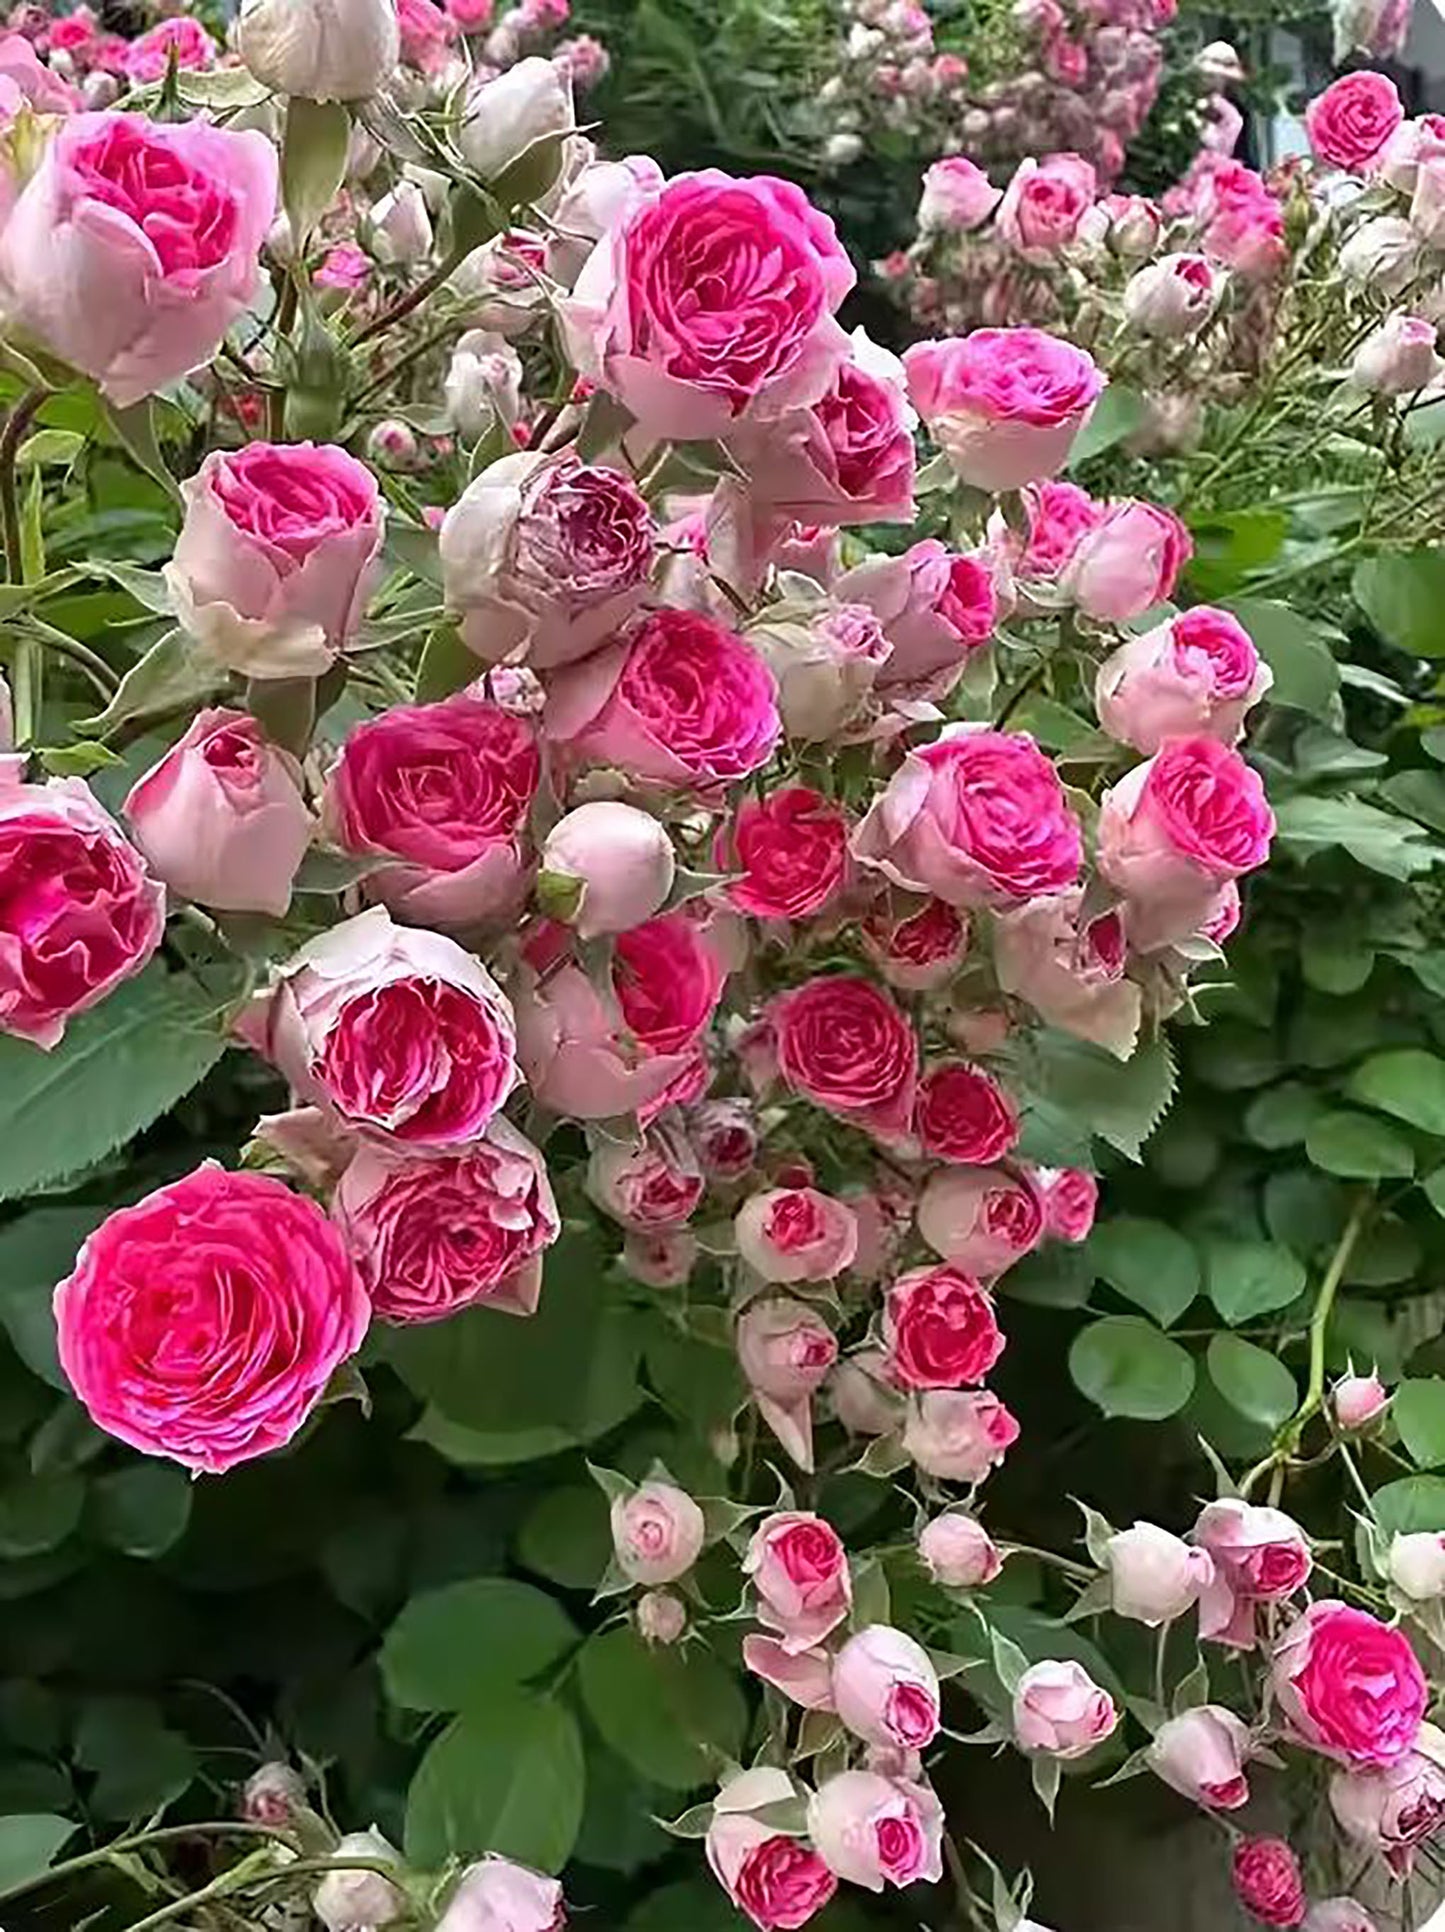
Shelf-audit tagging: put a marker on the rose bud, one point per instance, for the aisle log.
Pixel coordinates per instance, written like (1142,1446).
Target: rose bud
(963,1115)
(664,1258)
(661,1617)
(657,1533)
(1394,1808)
(1173,297)
(1338,1915)
(1349,1686)
(1350,124)
(1059,1710)
(958,1552)
(401,230)
(1045,203)
(645,1186)
(940,1330)
(1072,975)
(1004,405)
(917,948)
(1155,1577)
(1397,358)
(785,1350)
(937,608)
(273,1795)
(1416,1565)
(483,384)
(843,1044)
(791,850)
(359,1900)
(862,1399)
(1427,203)
(799,1570)
(982,1219)
(321,50)
(1071,1198)
(958,1435)
(874,1831)
(1201,1754)
(1196,674)
(795,1234)
(1383,254)
(612,863)
(1267,1881)
(519,120)
(1260,1556)
(1359,1400)
(773,1879)
(957,196)
(499,1896)
(886,1689)
(1129,561)
(392,445)
(724,1134)
(825,668)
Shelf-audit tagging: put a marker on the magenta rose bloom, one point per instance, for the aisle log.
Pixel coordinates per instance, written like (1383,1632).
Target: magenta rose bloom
(1350,124)
(1045,203)
(78,910)
(962,1114)
(446,790)
(919,948)
(936,608)
(977,818)
(277,555)
(668,981)
(792,851)
(134,246)
(205,1322)
(1267,1881)
(1194,675)
(1058,516)
(844,1045)
(710,302)
(647,1186)
(1004,405)
(777,1882)
(799,1569)
(434,1236)
(940,1329)
(681,701)
(1350,1686)
(182,39)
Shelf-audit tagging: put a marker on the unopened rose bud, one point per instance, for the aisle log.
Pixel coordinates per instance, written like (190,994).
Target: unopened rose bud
(359,1900)
(1359,1400)
(1337,1915)
(1173,297)
(664,1258)
(661,1617)
(1201,1754)
(520,117)
(99,91)
(657,1533)
(1218,65)
(320,50)
(1397,358)
(606,867)
(958,1552)
(1059,1711)
(862,1401)
(1417,1565)
(841,150)
(273,1795)
(483,384)
(392,444)
(401,226)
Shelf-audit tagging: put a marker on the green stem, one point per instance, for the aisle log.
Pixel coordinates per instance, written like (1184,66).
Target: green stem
(236,1880)
(163,1835)
(26,667)
(413,299)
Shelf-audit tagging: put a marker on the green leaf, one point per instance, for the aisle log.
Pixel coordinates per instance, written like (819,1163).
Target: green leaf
(1382,841)
(50,446)
(36,1252)
(1434,1188)
(1359,1148)
(450,1649)
(1305,674)
(39,1512)
(1419,1412)
(1334,962)
(119,1067)
(1127,1367)
(1282,1115)
(1403,597)
(1419,794)
(142,1764)
(488,1448)
(1253,1381)
(1148,1263)
(1305,1210)
(566,1538)
(28,1846)
(692,1906)
(1120,1101)
(313,161)
(141,1510)
(447,666)
(1054,1276)
(1406,1082)
(1402,1507)
(171,676)
(1117,414)
(508,1778)
(673,1714)
(1248,1278)
(1229,545)
(135,427)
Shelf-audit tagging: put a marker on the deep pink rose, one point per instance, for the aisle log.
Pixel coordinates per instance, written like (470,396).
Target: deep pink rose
(134,246)
(940,1329)
(963,1114)
(446,790)
(1201,1754)
(982,1219)
(799,1570)
(978,818)
(649,1185)
(1060,1711)
(917,948)
(404,1034)
(1267,1881)
(712,301)
(725,1134)
(1129,561)
(1071,1199)
(1194,675)
(345,267)
(844,1045)
(791,849)
(776,1881)
(277,555)
(668,980)
(936,608)
(1350,1686)
(1350,124)
(205,1322)
(434,1236)
(78,911)
(873,1830)
(1004,405)
(1241,222)
(1071,972)
(1058,515)
(796,1234)
(221,819)
(182,40)
(958,1435)
(886,1689)
(681,701)
(1178,828)
(1393,1809)
(426,33)
(1045,204)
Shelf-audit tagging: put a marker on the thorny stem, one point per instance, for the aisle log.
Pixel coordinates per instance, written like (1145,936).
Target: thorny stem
(413,299)
(162,1835)
(228,1883)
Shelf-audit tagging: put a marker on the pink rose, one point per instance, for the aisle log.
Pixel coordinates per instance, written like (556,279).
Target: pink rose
(273,1795)
(667,979)
(957,196)
(1173,297)
(345,267)
(940,1330)
(1398,357)
(426,33)
(1267,1881)
(874,1831)
(1128,562)
(844,1045)
(277,555)
(220,818)
(1073,975)
(1059,515)
(825,668)
(1071,1199)
(1175,830)
(404,1034)
(774,1880)
(799,1570)
(496,1895)
(545,557)
(618,862)
(662,1259)
(791,848)
(1155,1577)
(1260,1556)
(917,948)
(134,246)
(1359,1400)
(1242,222)
(936,609)
(963,1114)
(470,16)
(862,1400)
(1060,1711)
(661,1618)
(1415,1564)
(978,818)
(796,1234)
(1045,203)
(593,203)
(1194,675)
(958,1552)
(657,1533)
(680,701)
(982,1219)
(165,1352)
(1413,141)
(725,1135)
(647,1186)
(79,912)
(1350,124)
(785,1350)
(182,40)
(1397,1807)
(46,92)
(1338,1915)
(958,1435)
(886,1689)
(1201,1754)
(712,301)
(1427,208)
(434,1236)
(1004,405)
(1349,1686)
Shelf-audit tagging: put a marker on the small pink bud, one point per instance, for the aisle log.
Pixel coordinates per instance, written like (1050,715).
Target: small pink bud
(661,1617)
(1359,1400)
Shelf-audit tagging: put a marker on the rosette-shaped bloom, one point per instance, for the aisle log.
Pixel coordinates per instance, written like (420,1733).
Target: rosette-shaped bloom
(875,1831)
(1194,675)
(844,1045)
(1004,405)
(982,1219)
(936,609)
(940,1330)
(1350,1686)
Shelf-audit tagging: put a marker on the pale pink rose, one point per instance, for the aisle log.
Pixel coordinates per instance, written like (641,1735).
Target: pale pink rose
(273,1795)
(663,1259)
(661,1617)
(182,40)
(1260,1556)
(957,196)
(163,1351)
(1173,297)
(680,701)
(45,90)
(1194,675)
(1413,141)
(657,1533)
(785,1350)
(434,1236)
(134,246)
(1072,975)
(359,1898)
(978,817)
(1338,1915)
(958,1435)
(277,556)
(825,667)
(940,1330)
(1427,203)
(787,853)
(795,1234)
(545,557)
(1398,357)
(1415,1565)
(1173,831)
(958,1552)
(406,1036)
(647,1186)
(916,947)
(1004,405)
(982,1219)
(1060,1711)
(79,914)
(1155,1577)
(725,1134)
(1349,1686)
(963,1114)
(862,1400)
(1045,204)
(1350,124)
(776,1881)
(595,201)
(444,790)
(843,1044)
(1128,562)
(1267,1881)
(617,859)
(1129,225)
(7,715)
(885,1689)
(1201,1754)
(1382,254)
(1359,1400)
(874,1831)
(497,1895)
(1393,1809)
(799,1570)
(711,301)
(935,607)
